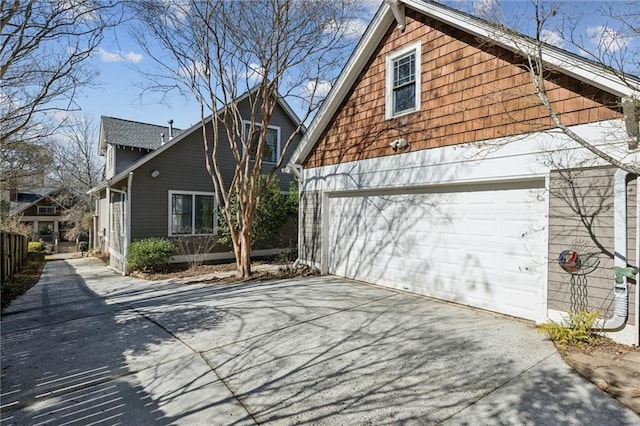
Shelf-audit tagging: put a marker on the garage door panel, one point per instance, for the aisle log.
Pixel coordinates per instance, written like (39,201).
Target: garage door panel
(482,248)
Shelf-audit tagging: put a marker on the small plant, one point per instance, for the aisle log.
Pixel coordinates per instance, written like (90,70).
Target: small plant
(574,330)
(150,254)
(35,247)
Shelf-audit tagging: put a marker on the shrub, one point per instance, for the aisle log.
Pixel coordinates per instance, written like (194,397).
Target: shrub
(35,247)
(150,254)
(272,211)
(574,330)
(83,246)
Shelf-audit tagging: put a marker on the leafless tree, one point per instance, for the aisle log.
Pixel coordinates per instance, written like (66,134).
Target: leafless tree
(218,50)
(76,162)
(44,47)
(615,52)
(76,169)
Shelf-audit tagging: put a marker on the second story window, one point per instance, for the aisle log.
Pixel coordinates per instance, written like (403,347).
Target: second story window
(403,81)
(47,210)
(271,151)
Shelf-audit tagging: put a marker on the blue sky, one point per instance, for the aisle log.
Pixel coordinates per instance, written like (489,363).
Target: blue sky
(117,91)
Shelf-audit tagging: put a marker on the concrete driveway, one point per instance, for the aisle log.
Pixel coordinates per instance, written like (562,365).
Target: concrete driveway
(87,346)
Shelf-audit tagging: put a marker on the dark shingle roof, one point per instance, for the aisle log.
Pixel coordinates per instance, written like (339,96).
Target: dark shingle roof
(26,198)
(134,134)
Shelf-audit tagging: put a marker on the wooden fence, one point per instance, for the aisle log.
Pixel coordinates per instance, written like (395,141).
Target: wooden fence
(13,248)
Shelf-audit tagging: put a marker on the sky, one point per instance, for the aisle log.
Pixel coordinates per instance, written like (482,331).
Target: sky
(117,92)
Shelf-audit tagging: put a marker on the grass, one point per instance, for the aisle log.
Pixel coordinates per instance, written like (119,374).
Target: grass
(22,281)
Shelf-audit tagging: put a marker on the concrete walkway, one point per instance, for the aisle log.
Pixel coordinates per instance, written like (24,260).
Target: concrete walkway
(88,346)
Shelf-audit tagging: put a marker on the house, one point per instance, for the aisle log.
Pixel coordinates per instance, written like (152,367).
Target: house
(42,210)
(157,185)
(432,167)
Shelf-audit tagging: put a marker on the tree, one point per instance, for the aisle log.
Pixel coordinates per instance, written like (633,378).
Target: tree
(216,51)
(76,161)
(272,211)
(76,169)
(44,47)
(615,51)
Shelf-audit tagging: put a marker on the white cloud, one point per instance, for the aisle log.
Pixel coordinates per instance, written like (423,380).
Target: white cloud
(606,39)
(314,91)
(254,73)
(484,7)
(351,28)
(320,88)
(130,57)
(552,37)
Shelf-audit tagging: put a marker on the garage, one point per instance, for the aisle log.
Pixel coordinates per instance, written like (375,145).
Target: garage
(481,245)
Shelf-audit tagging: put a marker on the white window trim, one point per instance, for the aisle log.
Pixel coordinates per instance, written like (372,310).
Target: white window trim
(417,49)
(193,213)
(246,123)
(41,210)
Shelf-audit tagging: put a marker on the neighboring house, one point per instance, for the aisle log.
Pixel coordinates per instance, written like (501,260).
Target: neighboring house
(42,209)
(157,185)
(432,168)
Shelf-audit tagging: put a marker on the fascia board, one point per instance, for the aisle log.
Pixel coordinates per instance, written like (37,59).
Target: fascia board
(376,30)
(153,154)
(569,64)
(99,187)
(582,69)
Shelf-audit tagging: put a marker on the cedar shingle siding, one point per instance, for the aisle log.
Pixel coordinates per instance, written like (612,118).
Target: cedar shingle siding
(581,218)
(471,91)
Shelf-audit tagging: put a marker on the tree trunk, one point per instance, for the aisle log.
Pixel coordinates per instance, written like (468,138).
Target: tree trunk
(243,255)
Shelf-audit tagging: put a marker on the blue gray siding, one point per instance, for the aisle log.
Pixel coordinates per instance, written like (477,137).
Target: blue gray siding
(581,219)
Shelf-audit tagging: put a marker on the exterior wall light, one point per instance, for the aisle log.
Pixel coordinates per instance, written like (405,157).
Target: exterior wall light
(155,173)
(399,143)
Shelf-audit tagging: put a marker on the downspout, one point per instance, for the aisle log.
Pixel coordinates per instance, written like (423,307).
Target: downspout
(621,295)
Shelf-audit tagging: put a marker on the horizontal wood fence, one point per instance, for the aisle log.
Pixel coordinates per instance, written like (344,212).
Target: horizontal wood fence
(13,248)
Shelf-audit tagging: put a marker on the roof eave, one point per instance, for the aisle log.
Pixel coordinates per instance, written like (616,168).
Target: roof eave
(370,39)
(576,67)
(583,70)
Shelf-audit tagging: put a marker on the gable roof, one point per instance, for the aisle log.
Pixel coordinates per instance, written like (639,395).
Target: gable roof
(182,135)
(118,131)
(27,198)
(564,61)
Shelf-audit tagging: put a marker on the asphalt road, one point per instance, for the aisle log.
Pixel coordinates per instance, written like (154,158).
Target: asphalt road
(87,346)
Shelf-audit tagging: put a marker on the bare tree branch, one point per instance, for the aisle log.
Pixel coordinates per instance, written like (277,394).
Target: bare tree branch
(219,50)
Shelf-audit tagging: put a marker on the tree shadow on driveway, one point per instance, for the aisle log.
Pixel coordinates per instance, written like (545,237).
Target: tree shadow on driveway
(70,357)
(319,350)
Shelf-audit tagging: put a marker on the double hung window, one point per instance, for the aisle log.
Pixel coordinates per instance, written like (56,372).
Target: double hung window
(271,151)
(191,213)
(403,81)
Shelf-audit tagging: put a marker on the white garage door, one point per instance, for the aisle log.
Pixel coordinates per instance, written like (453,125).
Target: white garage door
(483,247)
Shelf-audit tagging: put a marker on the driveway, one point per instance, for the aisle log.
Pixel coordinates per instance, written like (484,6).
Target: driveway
(88,346)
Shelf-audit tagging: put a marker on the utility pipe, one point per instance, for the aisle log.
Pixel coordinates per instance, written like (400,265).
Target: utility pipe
(618,319)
